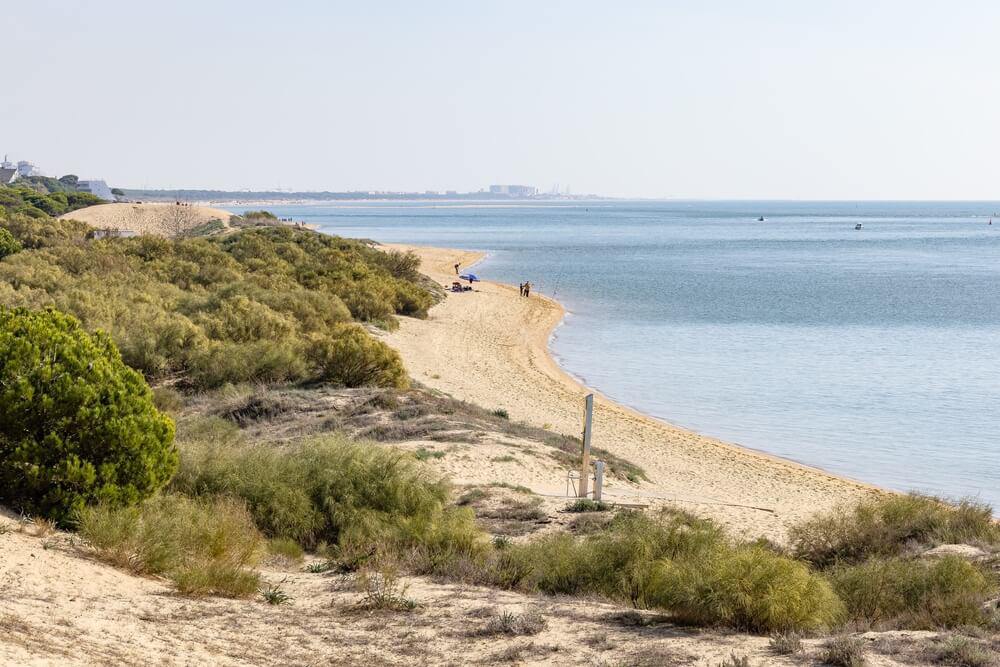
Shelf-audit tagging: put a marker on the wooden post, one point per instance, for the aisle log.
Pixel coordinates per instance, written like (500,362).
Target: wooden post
(598,480)
(585,464)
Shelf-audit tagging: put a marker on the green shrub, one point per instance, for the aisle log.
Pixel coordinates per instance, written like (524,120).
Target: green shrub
(206,546)
(77,426)
(615,561)
(350,357)
(888,526)
(749,588)
(913,594)
(8,244)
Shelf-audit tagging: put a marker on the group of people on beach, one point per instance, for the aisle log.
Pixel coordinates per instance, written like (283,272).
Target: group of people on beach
(525,288)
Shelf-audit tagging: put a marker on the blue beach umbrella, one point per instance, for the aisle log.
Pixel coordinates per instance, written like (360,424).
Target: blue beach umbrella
(471,277)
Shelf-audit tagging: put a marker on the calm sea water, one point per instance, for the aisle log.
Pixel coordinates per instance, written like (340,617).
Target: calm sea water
(873,354)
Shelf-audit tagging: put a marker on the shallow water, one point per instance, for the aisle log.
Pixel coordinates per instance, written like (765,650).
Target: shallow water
(874,354)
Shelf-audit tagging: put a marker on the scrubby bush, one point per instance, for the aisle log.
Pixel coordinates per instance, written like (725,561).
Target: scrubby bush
(206,546)
(77,426)
(913,594)
(845,651)
(889,526)
(359,498)
(8,244)
(748,588)
(350,357)
(673,562)
(41,231)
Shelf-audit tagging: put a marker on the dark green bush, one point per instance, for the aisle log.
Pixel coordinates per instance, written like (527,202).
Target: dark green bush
(77,426)
(913,594)
(8,244)
(888,526)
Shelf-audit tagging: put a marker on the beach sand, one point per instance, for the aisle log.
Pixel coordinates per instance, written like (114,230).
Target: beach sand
(490,347)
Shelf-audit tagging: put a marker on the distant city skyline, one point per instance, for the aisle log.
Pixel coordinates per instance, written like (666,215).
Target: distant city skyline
(725,100)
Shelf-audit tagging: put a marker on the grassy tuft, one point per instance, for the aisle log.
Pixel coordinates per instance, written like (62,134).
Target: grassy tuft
(514,625)
(205,546)
(381,589)
(586,505)
(275,595)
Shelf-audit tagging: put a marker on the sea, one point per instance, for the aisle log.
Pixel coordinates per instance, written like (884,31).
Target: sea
(873,353)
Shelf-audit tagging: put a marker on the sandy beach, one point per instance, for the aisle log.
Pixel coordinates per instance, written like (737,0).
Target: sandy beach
(490,347)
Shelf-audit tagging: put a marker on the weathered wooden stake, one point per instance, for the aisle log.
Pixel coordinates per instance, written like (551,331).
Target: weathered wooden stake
(598,480)
(585,464)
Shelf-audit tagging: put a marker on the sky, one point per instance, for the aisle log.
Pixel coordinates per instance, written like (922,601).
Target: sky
(770,99)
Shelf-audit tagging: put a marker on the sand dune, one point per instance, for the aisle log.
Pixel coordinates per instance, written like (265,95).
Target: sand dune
(490,347)
(162,219)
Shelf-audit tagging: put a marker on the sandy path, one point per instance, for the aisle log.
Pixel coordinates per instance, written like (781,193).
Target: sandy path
(490,347)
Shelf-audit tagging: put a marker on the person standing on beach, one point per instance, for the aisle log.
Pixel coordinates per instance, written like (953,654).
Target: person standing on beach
(520,289)
(527,289)
(456,268)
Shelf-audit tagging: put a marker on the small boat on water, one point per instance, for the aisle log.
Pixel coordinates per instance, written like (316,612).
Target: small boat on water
(857,226)
(760,219)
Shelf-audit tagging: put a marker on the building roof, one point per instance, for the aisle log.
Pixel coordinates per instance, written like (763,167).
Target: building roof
(7,175)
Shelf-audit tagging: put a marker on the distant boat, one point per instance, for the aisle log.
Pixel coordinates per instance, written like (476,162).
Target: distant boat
(760,219)
(857,226)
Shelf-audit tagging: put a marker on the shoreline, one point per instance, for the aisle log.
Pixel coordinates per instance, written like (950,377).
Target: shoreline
(502,360)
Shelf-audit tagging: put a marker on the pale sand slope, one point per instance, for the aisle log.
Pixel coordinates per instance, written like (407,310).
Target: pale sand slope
(163,219)
(490,347)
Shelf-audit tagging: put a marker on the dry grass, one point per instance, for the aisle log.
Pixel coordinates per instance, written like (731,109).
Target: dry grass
(510,624)
(205,546)
(844,651)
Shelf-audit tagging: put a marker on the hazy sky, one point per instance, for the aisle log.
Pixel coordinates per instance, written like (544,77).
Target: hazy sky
(762,99)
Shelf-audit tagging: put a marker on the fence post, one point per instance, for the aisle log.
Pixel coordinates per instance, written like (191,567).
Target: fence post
(585,464)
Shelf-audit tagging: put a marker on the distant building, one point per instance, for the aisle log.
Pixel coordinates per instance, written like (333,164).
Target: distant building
(99,188)
(514,190)
(25,169)
(7,175)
